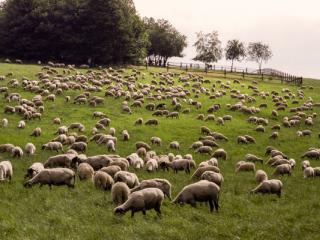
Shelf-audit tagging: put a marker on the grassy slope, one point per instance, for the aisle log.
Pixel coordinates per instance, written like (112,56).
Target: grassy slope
(86,213)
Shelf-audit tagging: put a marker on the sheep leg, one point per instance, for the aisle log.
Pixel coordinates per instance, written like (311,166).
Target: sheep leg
(211,205)
(216,205)
(144,212)
(158,210)
(132,213)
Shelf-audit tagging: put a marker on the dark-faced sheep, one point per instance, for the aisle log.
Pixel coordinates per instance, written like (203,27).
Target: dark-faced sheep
(202,191)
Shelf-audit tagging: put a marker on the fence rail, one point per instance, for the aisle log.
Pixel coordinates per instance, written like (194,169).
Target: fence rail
(237,72)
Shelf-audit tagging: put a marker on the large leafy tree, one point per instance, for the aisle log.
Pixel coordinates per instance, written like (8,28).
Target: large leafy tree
(235,51)
(165,40)
(208,47)
(259,52)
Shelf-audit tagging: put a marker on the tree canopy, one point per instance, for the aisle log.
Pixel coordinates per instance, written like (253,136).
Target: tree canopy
(259,52)
(235,51)
(76,31)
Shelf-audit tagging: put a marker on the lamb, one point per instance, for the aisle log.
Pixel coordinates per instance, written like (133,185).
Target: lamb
(102,180)
(180,165)
(308,172)
(85,171)
(129,178)
(111,170)
(125,135)
(204,149)
(261,176)
(156,141)
(4,122)
(111,146)
(202,191)
(305,164)
(252,158)
(53,146)
(163,184)
(282,170)
(30,149)
(245,167)
(34,169)
(145,199)
(17,152)
(273,186)
(21,124)
(197,174)
(6,172)
(212,176)
(152,165)
(36,132)
(152,122)
(79,147)
(220,153)
(174,145)
(53,176)
(120,193)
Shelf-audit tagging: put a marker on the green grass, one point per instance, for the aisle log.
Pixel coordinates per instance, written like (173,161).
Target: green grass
(87,213)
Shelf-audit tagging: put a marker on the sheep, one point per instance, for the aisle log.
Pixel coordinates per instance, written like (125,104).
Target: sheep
(110,146)
(152,122)
(308,172)
(180,165)
(197,174)
(220,153)
(210,143)
(17,152)
(129,178)
(250,139)
(261,176)
(202,191)
(204,149)
(272,186)
(252,158)
(6,171)
(125,135)
(304,133)
(21,124)
(145,199)
(152,165)
(274,135)
(142,144)
(220,121)
(174,145)
(111,170)
(163,184)
(4,122)
(7,147)
(156,141)
(139,121)
(245,167)
(85,171)
(112,131)
(78,126)
(36,132)
(305,164)
(205,130)
(260,128)
(120,193)
(53,176)
(56,121)
(79,147)
(311,154)
(102,180)
(30,149)
(242,139)
(212,176)
(53,146)
(196,145)
(63,160)
(218,136)
(121,162)
(283,169)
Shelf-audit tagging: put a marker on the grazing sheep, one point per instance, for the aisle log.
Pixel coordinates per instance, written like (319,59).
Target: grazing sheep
(156,141)
(102,180)
(174,145)
(152,165)
(305,164)
(129,178)
(63,160)
(142,144)
(112,131)
(220,121)
(204,149)
(261,176)
(34,169)
(274,135)
(311,154)
(197,174)
(273,186)
(111,146)
(242,139)
(85,171)
(56,121)
(125,135)
(6,172)
(245,167)
(304,133)
(205,130)
(143,200)
(53,146)
(308,172)
(4,122)
(250,139)
(79,147)
(53,176)
(111,170)
(202,191)
(220,153)
(163,184)
(21,124)
(260,128)
(120,193)
(36,132)
(152,122)
(139,121)
(180,165)
(17,152)
(30,149)
(212,176)
(7,147)
(252,158)
(196,145)
(282,170)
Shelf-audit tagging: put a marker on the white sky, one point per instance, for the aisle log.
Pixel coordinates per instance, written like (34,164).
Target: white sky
(290,27)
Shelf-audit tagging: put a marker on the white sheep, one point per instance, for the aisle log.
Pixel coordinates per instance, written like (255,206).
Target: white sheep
(152,165)
(129,178)
(4,122)
(22,124)
(17,152)
(273,186)
(34,169)
(6,172)
(102,180)
(261,176)
(120,193)
(85,171)
(163,184)
(30,149)
(111,146)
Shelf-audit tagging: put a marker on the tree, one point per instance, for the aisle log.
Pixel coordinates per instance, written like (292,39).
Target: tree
(165,40)
(208,47)
(235,51)
(259,52)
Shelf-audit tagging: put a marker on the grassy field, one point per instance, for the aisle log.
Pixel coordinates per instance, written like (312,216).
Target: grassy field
(87,213)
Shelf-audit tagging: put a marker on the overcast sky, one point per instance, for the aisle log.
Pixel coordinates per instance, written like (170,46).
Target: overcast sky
(290,27)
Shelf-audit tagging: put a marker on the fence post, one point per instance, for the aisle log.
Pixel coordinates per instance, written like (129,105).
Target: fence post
(146,65)
(186,67)
(243,74)
(180,65)
(214,67)
(168,67)
(262,76)
(225,73)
